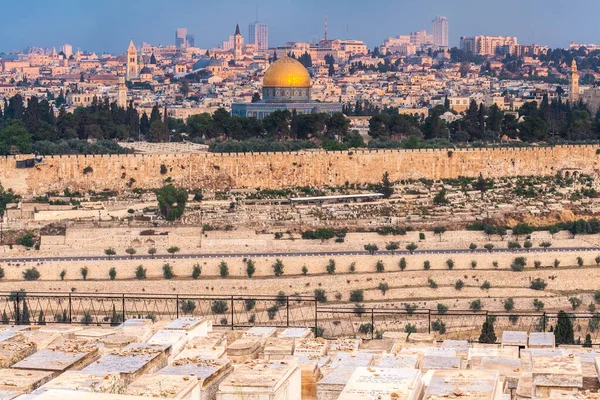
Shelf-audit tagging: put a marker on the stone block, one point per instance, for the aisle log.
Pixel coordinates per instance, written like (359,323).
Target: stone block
(369,383)
(60,358)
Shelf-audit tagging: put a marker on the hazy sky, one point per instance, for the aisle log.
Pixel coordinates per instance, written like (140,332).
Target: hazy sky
(107,25)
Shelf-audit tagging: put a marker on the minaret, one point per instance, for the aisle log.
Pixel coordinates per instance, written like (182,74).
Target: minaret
(132,65)
(238,43)
(122,93)
(574,84)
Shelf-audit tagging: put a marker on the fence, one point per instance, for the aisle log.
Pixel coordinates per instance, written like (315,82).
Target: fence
(239,311)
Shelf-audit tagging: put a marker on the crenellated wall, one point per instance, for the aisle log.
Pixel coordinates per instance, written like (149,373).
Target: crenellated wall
(290,169)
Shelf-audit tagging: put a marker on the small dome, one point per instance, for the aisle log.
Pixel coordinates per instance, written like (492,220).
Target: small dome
(286,72)
(146,70)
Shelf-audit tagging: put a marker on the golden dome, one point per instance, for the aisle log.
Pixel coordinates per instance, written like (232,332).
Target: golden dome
(286,72)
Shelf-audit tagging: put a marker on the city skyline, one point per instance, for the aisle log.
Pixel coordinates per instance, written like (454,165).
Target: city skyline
(108,29)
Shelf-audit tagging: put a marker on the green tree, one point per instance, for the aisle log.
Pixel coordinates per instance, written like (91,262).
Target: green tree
(278,267)
(223,269)
(112,273)
(371,248)
(84,272)
(392,246)
(440,198)
(110,252)
(196,271)
(173,249)
(140,272)
(387,189)
(563,332)
(131,251)
(439,230)
(330,267)
(171,202)
(250,268)
(487,331)
(411,247)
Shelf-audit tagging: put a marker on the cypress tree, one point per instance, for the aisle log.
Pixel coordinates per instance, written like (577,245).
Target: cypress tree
(564,329)
(487,331)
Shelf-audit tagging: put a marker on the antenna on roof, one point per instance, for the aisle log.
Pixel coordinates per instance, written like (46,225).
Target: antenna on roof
(326,24)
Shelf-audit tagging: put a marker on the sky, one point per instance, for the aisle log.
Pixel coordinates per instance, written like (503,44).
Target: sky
(107,25)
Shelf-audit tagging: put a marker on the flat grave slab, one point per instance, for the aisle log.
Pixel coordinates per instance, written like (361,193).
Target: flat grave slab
(11,336)
(514,338)
(13,352)
(244,349)
(344,345)
(541,340)
(439,362)
(351,359)
(62,394)
(42,339)
(84,382)
(195,377)
(372,383)
(295,333)
(23,381)
(465,385)
(311,347)
(194,327)
(67,331)
(60,358)
(278,348)
(265,381)
(131,361)
(260,332)
(555,373)
(95,333)
(378,346)
(398,361)
(175,339)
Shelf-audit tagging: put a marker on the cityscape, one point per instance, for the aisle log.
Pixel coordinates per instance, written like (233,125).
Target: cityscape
(272,214)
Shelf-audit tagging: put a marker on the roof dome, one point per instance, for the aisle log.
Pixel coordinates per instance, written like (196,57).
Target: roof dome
(286,72)
(146,70)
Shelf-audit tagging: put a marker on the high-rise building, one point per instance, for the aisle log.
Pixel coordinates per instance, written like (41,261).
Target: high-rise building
(181,37)
(488,45)
(67,50)
(439,30)
(259,35)
(190,40)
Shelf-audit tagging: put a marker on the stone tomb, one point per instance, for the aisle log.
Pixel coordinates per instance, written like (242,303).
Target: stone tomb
(19,381)
(83,382)
(260,332)
(555,375)
(175,339)
(465,385)
(541,340)
(264,381)
(398,361)
(61,394)
(212,346)
(510,369)
(338,371)
(439,362)
(311,347)
(95,333)
(372,383)
(193,378)
(278,348)
(130,362)
(378,346)
(244,349)
(476,354)
(66,331)
(295,333)
(13,352)
(60,358)
(514,338)
(194,327)
(344,345)
(140,329)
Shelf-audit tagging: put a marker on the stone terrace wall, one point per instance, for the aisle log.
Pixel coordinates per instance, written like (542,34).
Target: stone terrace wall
(276,170)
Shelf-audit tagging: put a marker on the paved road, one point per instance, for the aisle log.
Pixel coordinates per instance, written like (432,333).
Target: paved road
(296,254)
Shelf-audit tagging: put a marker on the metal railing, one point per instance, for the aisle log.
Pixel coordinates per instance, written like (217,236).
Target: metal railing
(243,311)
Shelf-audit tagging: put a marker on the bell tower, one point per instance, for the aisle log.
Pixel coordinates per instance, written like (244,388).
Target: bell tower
(574,84)
(132,62)
(122,93)
(238,43)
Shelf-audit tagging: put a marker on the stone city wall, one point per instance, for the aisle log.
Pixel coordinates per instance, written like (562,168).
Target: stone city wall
(289,169)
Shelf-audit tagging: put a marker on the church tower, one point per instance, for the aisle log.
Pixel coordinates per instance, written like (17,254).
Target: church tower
(132,62)
(122,93)
(238,43)
(574,84)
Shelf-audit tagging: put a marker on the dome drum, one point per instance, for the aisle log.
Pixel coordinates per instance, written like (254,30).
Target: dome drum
(286,80)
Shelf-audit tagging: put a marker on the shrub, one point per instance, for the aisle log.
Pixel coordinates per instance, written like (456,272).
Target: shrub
(472,247)
(278,267)
(513,319)
(272,311)
(426,265)
(518,264)
(489,247)
(384,287)
(250,268)
(528,245)
(167,271)
(450,263)
(320,296)
(597,259)
(359,310)
(223,269)
(62,275)
(410,328)
(131,251)
(330,267)
(538,284)
(110,252)
(473,264)
(592,307)
(281,299)
(410,308)
(365,329)
(173,249)
(514,245)
(140,272)
(356,296)
(26,240)
(545,245)
(538,305)
(442,309)
(537,264)
(486,285)
(371,248)
(152,251)
(575,302)
(594,322)
(304,270)
(459,285)
(597,296)
(84,272)
(31,274)
(402,264)
(411,247)
(380,267)
(509,304)
(421,236)
(87,318)
(475,305)
(438,326)
(249,304)
(556,263)
(580,262)
(432,283)
(392,246)
(352,267)
(187,306)
(495,264)
(219,307)
(196,271)
(112,273)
